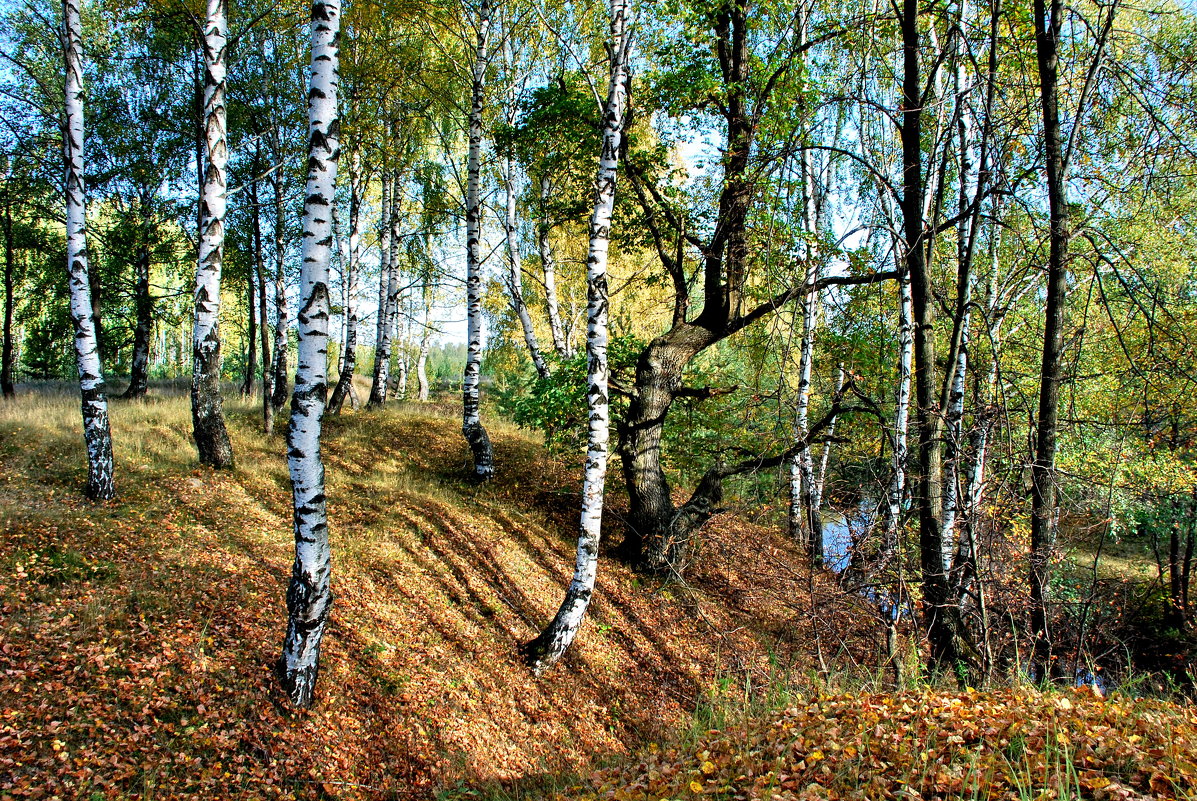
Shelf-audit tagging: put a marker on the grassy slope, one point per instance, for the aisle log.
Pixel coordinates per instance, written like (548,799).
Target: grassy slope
(137,637)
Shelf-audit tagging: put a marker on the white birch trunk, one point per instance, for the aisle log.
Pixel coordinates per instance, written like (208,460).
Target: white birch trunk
(425,340)
(97,435)
(547,648)
(515,280)
(471,421)
(802,523)
(548,266)
(816,500)
(278,390)
(897,481)
(352,256)
(309,596)
(954,413)
(382,337)
(207,414)
(398,339)
(805,526)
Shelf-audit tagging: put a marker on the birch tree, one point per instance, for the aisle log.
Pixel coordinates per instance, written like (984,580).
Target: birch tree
(352,255)
(207,414)
(278,385)
(309,597)
(471,421)
(547,648)
(896,489)
(6,358)
(515,279)
(382,333)
(97,435)
(548,266)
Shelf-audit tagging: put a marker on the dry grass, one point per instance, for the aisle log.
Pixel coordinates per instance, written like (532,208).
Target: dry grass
(137,636)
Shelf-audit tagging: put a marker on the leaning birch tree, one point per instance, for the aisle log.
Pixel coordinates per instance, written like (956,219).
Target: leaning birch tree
(97,435)
(309,597)
(207,413)
(547,648)
(471,421)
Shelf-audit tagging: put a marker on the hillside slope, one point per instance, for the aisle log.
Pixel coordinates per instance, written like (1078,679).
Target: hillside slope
(137,637)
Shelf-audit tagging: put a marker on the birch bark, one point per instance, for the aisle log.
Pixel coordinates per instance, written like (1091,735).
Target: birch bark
(349,362)
(397,319)
(425,336)
(515,280)
(309,596)
(547,648)
(278,395)
(97,436)
(897,481)
(471,422)
(548,266)
(805,525)
(7,361)
(264,328)
(207,412)
(382,337)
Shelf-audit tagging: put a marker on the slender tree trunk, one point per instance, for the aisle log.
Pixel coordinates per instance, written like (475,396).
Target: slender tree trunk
(139,372)
(1043,481)
(547,648)
(382,337)
(897,480)
(97,435)
(349,362)
(548,266)
(805,526)
(397,320)
(278,392)
(816,501)
(96,290)
(7,389)
(309,597)
(251,337)
(264,328)
(403,326)
(425,340)
(515,278)
(207,414)
(938,614)
(471,422)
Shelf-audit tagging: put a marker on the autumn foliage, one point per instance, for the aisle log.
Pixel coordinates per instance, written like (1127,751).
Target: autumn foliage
(1017,744)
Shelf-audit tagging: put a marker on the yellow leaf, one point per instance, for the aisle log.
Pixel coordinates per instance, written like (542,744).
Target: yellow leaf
(815,756)
(695,787)
(708,767)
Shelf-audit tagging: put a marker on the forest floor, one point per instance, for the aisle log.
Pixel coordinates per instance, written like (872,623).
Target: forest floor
(137,637)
